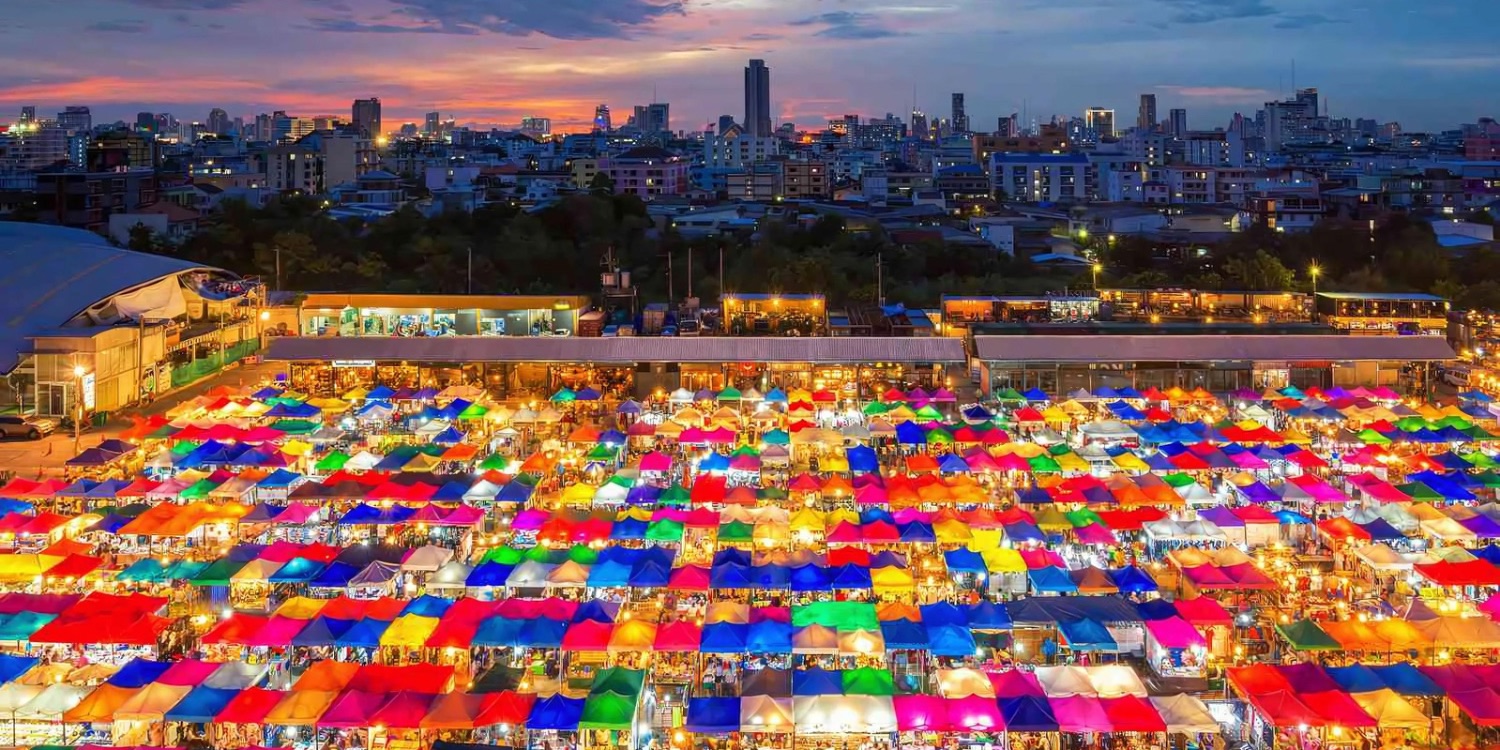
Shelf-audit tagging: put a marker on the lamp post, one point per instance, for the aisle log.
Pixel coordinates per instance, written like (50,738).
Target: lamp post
(1313,271)
(78,373)
(1097,268)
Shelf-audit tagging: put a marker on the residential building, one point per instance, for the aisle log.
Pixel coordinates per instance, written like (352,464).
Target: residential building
(962,182)
(804,180)
(761,181)
(1482,141)
(218,122)
(602,122)
(647,172)
(758,100)
(1145,119)
(288,129)
(1050,139)
(119,149)
(86,200)
(1213,148)
(737,150)
(33,146)
(320,161)
(1043,177)
(432,124)
(366,117)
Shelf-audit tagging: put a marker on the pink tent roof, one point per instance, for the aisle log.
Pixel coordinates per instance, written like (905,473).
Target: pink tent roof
(297,514)
(678,636)
(689,578)
(1282,709)
(656,461)
(1132,713)
(921,713)
(278,631)
(188,673)
(975,714)
(351,709)
(589,635)
(1482,705)
(1080,713)
(1014,683)
(1095,534)
(463,515)
(1175,632)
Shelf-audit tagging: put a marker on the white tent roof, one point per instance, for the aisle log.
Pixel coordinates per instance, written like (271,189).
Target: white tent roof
(844,714)
(427,559)
(1185,714)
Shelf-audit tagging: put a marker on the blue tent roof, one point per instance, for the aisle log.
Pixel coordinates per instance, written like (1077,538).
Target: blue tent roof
(1052,580)
(904,634)
(609,573)
(556,712)
(648,573)
(597,611)
(1087,635)
(943,613)
(850,576)
(1035,394)
(499,632)
(811,578)
(322,631)
(363,634)
(541,633)
(724,638)
(488,573)
(1406,680)
(989,616)
(138,672)
(769,637)
(964,560)
(950,640)
(629,528)
(450,436)
(713,715)
(1027,714)
(201,704)
(1132,580)
(427,605)
(714,462)
(862,458)
(910,433)
(817,681)
(729,576)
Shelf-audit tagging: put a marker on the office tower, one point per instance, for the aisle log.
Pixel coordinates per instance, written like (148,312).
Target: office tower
(28,115)
(1177,126)
(145,122)
(757,99)
(960,120)
(166,124)
(725,123)
(367,117)
(1145,120)
(218,122)
(76,120)
(433,124)
(263,127)
(1100,121)
(919,124)
(601,119)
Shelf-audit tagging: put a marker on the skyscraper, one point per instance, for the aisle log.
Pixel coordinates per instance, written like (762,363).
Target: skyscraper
(1145,120)
(601,119)
(367,117)
(28,115)
(658,118)
(919,127)
(757,99)
(218,122)
(433,124)
(960,119)
(1177,123)
(145,122)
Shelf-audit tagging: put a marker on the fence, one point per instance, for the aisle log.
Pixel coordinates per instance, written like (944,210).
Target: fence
(202,367)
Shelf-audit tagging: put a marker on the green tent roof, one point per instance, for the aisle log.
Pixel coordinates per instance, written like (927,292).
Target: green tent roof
(1305,635)
(1044,464)
(564,395)
(473,412)
(837,615)
(875,408)
(869,681)
(503,556)
(664,530)
(332,462)
(675,495)
(608,711)
(619,680)
(295,426)
(583,554)
(736,531)
(1178,480)
(217,573)
(1009,394)
(730,394)
(776,437)
(1420,491)
(494,462)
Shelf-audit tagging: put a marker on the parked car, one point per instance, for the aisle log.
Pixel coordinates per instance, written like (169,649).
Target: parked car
(31,428)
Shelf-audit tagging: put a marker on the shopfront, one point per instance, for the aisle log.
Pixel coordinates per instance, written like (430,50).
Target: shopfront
(428,315)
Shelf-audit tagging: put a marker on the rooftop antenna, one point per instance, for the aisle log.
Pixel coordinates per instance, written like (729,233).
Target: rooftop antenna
(1294,78)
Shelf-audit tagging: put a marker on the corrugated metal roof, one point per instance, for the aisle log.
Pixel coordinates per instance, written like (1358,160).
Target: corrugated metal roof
(54,273)
(1227,348)
(627,350)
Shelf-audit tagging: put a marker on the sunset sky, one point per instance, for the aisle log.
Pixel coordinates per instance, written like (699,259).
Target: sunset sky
(1428,64)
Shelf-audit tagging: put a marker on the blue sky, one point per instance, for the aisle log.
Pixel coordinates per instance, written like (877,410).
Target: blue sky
(1429,64)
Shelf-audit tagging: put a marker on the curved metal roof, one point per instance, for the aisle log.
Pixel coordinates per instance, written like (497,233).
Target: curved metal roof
(52,274)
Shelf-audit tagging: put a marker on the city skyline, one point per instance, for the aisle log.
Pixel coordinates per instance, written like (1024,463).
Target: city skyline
(487,62)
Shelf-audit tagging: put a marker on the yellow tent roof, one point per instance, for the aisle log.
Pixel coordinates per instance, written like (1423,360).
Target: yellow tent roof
(892,577)
(301,708)
(633,635)
(1003,560)
(1131,462)
(861,641)
(1056,414)
(807,519)
(410,631)
(256,570)
(834,463)
(579,493)
(25,566)
(297,448)
(301,608)
(952,531)
(986,539)
(1071,462)
(422,462)
(330,405)
(358,394)
(570,573)
(731,612)
(1391,711)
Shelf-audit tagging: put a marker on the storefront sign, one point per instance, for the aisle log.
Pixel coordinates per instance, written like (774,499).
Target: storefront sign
(88,390)
(354,363)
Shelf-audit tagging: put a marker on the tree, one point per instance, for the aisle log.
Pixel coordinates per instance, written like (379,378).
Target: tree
(1259,272)
(602,184)
(144,239)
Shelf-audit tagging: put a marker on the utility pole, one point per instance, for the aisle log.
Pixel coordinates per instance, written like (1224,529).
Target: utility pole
(723,310)
(278,268)
(671,288)
(470,286)
(690,272)
(880,279)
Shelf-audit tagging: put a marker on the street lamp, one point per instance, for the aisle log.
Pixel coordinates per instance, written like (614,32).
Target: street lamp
(1313,271)
(1097,268)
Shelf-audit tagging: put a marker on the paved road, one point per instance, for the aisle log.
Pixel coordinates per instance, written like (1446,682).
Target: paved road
(48,455)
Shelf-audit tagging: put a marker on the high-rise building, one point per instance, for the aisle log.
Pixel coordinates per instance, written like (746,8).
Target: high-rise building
(726,123)
(367,117)
(433,125)
(537,127)
(145,122)
(218,122)
(919,124)
(602,122)
(28,115)
(960,119)
(76,119)
(1145,119)
(1007,126)
(757,99)
(653,118)
(166,124)
(263,127)
(1100,121)
(1177,126)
